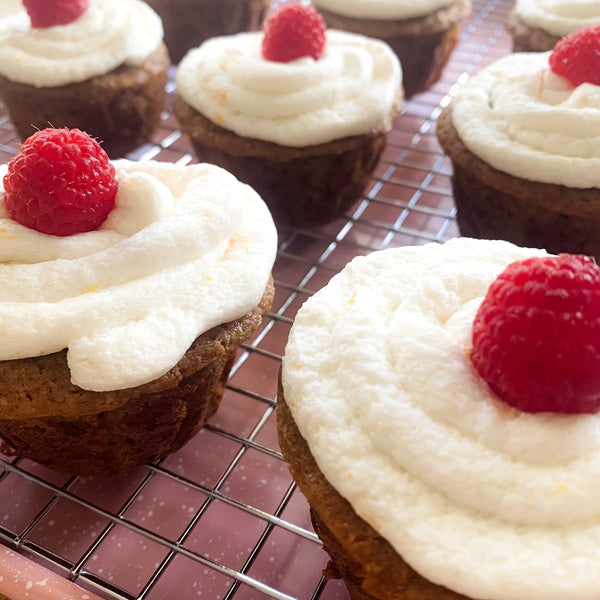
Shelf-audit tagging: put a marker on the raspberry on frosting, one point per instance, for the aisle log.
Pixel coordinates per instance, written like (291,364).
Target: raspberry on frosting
(48,13)
(536,336)
(293,31)
(60,183)
(576,57)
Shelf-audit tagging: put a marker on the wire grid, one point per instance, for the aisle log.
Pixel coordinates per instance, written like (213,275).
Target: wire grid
(222,518)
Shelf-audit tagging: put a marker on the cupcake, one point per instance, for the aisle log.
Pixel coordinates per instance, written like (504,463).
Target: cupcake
(423,34)
(523,141)
(100,66)
(188,23)
(126,292)
(536,26)
(427,479)
(299,113)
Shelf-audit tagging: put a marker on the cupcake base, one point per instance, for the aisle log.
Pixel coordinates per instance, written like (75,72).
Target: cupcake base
(526,38)
(120,109)
(187,23)
(492,204)
(101,433)
(422,44)
(302,187)
(369,566)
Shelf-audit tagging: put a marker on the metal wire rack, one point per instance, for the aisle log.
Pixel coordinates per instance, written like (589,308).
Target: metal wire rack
(222,518)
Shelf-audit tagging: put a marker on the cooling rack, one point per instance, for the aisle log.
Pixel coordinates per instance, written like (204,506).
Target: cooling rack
(222,519)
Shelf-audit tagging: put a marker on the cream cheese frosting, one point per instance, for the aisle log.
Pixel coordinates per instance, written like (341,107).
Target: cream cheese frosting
(185,249)
(382,9)
(558,17)
(10,7)
(521,118)
(110,33)
(351,89)
(476,496)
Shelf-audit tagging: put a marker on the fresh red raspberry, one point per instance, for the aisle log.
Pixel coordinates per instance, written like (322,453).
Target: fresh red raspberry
(47,13)
(293,31)
(536,337)
(576,57)
(60,183)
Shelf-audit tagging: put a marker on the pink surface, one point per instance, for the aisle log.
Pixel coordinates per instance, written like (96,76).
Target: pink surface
(221,518)
(23,579)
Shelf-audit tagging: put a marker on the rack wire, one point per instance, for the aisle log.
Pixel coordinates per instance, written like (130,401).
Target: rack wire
(222,519)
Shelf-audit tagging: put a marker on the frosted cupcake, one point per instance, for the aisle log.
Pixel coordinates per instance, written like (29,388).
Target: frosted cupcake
(423,34)
(102,68)
(123,302)
(424,481)
(537,26)
(305,126)
(188,23)
(522,136)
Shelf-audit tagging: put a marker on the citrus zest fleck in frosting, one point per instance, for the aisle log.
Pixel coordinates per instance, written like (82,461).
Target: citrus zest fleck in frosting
(476,496)
(522,119)
(350,90)
(129,299)
(110,33)
(559,17)
(382,9)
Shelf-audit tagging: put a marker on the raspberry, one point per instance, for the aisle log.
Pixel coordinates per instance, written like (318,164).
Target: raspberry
(293,31)
(576,57)
(60,183)
(47,13)
(536,336)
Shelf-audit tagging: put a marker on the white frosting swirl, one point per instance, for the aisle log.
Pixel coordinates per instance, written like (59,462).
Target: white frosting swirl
(522,119)
(350,90)
(185,249)
(558,17)
(110,33)
(478,497)
(382,9)
(10,7)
